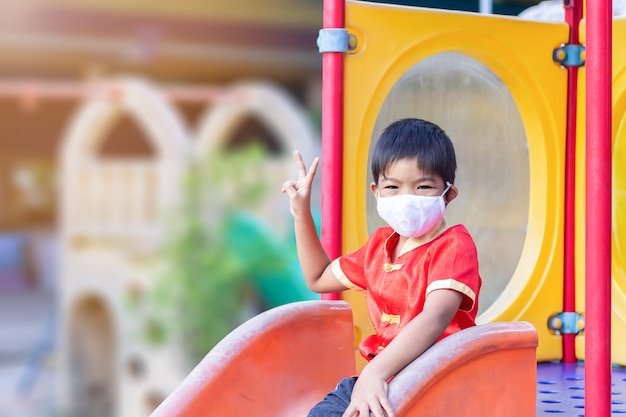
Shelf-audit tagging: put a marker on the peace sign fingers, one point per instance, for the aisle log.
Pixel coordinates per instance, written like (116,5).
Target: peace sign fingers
(299,191)
(304,177)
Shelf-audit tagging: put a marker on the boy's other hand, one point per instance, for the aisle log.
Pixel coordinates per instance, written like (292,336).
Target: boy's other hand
(369,394)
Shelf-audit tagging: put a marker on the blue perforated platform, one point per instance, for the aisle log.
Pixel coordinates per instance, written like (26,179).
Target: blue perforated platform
(561,390)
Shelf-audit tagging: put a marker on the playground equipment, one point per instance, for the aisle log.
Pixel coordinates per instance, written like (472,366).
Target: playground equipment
(390,41)
(495,358)
(386,61)
(283,361)
(287,130)
(450,46)
(271,264)
(262,236)
(114,210)
(266,369)
(111,228)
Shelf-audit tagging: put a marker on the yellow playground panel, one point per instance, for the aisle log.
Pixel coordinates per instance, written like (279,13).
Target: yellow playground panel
(473,75)
(618,284)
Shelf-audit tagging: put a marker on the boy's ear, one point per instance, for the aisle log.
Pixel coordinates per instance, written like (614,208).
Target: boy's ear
(374,190)
(451,194)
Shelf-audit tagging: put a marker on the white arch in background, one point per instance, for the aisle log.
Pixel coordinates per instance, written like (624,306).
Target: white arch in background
(280,114)
(162,125)
(271,105)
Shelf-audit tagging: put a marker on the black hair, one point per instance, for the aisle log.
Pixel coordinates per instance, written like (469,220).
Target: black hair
(414,138)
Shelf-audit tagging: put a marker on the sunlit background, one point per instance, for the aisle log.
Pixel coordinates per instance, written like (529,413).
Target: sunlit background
(143,144)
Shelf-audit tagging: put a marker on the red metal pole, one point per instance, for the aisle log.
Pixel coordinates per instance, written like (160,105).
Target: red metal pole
(598,210)
(332,137)
(573,15)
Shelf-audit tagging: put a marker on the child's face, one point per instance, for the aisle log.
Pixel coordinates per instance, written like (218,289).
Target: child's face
(405,176)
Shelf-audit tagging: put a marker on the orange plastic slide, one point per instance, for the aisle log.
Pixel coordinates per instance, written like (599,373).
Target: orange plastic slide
(485,371)
(283,361)
(279,363)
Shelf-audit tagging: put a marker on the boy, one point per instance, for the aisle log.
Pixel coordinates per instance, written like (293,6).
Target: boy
(420,277)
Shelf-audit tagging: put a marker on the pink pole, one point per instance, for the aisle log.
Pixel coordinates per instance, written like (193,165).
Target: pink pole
(573,15)
(332,137)
(598,210)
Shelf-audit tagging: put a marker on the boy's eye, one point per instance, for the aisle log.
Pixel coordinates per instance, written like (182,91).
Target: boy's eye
(424,187)
(391,187)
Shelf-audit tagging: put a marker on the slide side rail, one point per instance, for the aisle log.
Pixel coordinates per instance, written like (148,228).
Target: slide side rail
(488,370)
(279,363)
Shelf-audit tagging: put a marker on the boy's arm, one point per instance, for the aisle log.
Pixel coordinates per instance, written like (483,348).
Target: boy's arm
(370,391)
(314,262)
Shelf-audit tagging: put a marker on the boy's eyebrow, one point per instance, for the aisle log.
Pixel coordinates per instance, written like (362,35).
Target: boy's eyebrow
(419,180)
(386,178)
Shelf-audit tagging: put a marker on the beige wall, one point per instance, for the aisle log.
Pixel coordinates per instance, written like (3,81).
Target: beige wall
(201,41)
(298,13)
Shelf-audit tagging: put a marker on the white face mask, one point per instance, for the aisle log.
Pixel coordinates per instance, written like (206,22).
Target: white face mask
(412,215)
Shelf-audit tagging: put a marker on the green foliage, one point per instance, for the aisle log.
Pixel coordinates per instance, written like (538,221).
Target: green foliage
(203,292)
(315,115)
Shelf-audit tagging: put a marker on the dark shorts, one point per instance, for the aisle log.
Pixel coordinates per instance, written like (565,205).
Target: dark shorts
(336,402)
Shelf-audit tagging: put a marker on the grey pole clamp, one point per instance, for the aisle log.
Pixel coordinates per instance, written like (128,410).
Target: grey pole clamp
(567,323)
(570,55)
(333,40)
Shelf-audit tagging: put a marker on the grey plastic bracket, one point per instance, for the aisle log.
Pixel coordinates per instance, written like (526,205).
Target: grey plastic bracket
(333,40)
(569,55)
(567,323)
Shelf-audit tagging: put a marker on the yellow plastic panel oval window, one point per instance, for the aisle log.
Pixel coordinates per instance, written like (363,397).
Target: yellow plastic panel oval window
(518,92)
(618,226)
(488,138)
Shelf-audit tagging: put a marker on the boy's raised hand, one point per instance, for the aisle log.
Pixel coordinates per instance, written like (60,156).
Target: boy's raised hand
(299,191)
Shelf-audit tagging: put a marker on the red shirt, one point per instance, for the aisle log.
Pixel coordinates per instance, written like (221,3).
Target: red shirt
(396,292)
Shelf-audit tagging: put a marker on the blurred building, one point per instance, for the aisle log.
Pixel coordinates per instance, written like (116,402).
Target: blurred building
(190,43)
(102,105)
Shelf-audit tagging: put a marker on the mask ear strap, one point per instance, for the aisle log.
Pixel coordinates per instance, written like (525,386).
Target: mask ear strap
(447,188)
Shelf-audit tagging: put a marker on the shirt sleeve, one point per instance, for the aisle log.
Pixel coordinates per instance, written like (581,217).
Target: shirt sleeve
(349,269)
(454,266)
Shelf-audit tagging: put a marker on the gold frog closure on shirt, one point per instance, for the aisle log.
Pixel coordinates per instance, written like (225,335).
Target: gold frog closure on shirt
(392,267)
(390,318)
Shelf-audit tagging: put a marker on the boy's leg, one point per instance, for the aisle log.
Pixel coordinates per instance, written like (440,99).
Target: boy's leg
(335,402)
